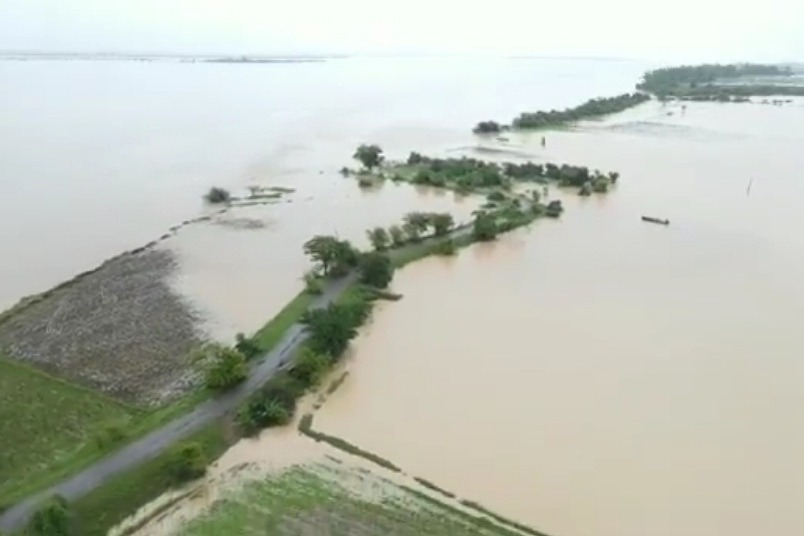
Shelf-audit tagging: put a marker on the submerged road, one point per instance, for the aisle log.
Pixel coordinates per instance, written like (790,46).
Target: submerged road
(157,441)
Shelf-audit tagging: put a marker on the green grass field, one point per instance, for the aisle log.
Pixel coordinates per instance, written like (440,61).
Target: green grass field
(271,333)
(337,500)
(121,496)
(45,422)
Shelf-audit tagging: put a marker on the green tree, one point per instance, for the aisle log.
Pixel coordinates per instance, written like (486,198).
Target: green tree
(332,328)
(333,255)
(186,462)
(51,519)
(442,223)
(415,224)
(485,226)
(379,238)
(312,283)
(376,270)
(369,155)
(217,195)
(397,235)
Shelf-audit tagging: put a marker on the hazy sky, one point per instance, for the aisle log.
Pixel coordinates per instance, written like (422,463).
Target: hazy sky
(678,30)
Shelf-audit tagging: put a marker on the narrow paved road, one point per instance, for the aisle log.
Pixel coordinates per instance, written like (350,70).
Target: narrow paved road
(157,441)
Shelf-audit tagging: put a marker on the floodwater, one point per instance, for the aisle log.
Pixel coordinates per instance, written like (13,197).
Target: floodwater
(601,376)
(593,376)
(97,157)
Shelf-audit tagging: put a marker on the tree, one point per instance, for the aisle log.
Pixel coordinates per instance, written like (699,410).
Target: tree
(51,519)
(415,224)
(369,155)
(335,256)
(312,283)
(397,235)
(379,238)
(485,226)
(442,223)
(225,367)
(186,462)
(218,195)
(332,328)
(376,270)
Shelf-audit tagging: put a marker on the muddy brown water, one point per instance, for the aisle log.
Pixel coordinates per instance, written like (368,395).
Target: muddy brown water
(601,376)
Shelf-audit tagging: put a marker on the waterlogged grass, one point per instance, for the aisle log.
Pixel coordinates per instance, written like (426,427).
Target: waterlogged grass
(271,333)
(121,496)
(335,500)
(47,425)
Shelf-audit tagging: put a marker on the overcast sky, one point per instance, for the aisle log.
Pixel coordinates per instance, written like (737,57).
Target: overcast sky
(679,30)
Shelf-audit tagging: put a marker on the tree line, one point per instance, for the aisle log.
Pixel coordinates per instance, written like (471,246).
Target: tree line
(716,82)
(590,109)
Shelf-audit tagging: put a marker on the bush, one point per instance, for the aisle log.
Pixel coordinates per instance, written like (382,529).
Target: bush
(218,195)
(110,434)
(379,238)
(312,283)
(51,519)
(309,367)
(187,462)
(397,235)
(225,367)
(376,270)
(247,346)
(446,248)
(273,405)
(485,227)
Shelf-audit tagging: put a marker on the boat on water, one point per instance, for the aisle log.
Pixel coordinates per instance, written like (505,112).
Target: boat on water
(656,220)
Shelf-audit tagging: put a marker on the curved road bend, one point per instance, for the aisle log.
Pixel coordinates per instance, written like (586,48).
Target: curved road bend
(157,441)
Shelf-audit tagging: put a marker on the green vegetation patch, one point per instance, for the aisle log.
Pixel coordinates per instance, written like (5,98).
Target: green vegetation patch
(271,333)
(336,500)
(46,423)
(106,506)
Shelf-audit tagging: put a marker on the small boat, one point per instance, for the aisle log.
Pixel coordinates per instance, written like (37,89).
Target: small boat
(656,220)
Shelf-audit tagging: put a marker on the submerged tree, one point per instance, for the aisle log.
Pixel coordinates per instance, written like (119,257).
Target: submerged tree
(369,155)
(379,238)
(217,195)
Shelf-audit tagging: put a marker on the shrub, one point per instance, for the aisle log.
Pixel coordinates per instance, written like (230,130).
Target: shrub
(485,227)
(218,195)
(110,434)
(225,367)
(376,270)
(309,367)
(247,346)
(51,519)
(186,462)
(397,235)
(273,405)
(446,248)
(379,238)
(312,283)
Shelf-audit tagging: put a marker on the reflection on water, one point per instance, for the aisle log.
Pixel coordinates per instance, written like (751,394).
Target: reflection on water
(603,376)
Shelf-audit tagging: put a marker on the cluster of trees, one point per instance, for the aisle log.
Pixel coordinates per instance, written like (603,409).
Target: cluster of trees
(330,331)
(590,109)
(414,226)
(333,257)
(217,195)
(715,82)
(369,155)
(473,172)
(461,172)
(487,127)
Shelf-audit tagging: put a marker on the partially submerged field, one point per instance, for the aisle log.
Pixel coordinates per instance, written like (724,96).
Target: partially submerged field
(119,329)
(335,499)
(45,422)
